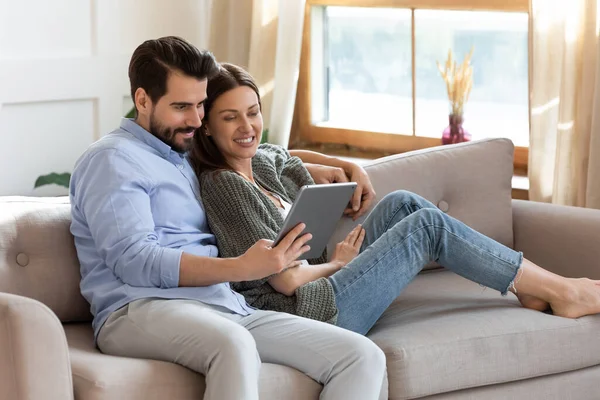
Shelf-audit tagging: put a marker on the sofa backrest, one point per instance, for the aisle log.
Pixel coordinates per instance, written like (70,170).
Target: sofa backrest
(470,181)
(37,254)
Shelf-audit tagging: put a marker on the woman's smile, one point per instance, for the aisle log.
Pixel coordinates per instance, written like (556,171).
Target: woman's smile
(246,141)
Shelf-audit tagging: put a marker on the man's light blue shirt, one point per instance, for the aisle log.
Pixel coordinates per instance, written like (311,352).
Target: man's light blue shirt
(136,207)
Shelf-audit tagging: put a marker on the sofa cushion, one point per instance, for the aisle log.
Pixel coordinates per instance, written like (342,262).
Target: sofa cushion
(445,333)
(37,254)
(573,385)
(97,376)
(469,181)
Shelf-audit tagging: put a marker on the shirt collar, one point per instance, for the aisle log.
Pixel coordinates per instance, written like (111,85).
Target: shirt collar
(129,125)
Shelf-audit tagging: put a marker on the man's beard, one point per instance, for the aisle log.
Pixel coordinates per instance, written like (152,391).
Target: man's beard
(167,135)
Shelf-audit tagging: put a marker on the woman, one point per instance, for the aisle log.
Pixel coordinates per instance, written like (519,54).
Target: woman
(247,190)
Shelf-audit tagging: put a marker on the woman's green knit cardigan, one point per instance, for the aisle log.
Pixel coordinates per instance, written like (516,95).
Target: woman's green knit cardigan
(240,214)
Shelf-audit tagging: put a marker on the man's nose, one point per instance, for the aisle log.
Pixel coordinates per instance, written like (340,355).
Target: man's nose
(194,118)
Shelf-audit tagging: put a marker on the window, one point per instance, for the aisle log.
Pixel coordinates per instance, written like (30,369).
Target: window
(369,77)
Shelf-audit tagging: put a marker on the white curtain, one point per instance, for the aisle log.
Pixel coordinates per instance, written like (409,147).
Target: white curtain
(265,37)
(564,153)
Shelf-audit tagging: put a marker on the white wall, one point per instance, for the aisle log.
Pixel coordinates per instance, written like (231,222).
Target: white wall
(63,76)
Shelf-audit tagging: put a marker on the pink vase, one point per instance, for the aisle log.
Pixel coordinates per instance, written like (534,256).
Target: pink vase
(454,132)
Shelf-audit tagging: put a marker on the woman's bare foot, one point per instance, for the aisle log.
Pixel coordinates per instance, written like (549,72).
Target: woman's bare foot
(532,302)
(568,297)
(581,298)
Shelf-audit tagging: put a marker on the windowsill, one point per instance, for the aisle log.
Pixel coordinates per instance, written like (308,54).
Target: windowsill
(520,182)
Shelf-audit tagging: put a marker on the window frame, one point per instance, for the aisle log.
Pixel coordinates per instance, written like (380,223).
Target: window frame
(306,133)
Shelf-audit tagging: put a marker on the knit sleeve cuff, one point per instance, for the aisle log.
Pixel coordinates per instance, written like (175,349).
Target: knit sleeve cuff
(316,300)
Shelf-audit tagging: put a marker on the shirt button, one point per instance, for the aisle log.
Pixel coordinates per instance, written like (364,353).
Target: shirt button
(180,166)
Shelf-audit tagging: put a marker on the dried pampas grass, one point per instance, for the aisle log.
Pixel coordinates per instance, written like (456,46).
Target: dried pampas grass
(459,81)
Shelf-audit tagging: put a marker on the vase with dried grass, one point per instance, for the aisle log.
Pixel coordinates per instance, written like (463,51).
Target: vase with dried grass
(459,81)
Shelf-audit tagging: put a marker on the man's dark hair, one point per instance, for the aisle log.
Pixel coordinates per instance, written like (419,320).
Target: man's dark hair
(153,61)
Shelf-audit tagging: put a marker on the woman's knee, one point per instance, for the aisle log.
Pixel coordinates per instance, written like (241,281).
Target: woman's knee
(401,197)
(429,219)
(430,215)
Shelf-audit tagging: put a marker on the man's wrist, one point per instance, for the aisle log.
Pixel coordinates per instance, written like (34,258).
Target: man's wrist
(235,267)
(346,166)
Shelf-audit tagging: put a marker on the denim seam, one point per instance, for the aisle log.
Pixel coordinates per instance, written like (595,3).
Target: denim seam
(487,252)
(411,234)
(397,210)
(502,292)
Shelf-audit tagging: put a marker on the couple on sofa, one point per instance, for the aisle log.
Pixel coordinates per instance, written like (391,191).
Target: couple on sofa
(157,200)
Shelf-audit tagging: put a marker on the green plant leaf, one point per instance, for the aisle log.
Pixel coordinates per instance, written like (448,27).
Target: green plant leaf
(265,136)
(131,113)
(53,178)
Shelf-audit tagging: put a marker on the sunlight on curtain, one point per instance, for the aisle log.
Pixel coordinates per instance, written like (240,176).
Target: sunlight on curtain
(265,37)
(564,154)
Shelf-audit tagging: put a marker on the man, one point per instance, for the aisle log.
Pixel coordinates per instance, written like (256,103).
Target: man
(148,259)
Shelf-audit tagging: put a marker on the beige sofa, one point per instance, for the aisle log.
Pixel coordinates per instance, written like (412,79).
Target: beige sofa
(445,338)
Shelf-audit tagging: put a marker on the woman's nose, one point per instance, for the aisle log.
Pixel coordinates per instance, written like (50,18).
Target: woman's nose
(245,125)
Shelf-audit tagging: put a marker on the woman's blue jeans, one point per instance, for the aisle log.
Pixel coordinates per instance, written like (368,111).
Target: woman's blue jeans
(404,232)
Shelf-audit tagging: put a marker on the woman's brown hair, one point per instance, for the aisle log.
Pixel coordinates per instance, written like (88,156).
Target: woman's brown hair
(205,156)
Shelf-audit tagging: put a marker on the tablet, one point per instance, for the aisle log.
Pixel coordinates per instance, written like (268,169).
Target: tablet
(320,207)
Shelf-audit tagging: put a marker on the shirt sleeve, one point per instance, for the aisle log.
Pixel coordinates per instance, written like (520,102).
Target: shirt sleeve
(112,196)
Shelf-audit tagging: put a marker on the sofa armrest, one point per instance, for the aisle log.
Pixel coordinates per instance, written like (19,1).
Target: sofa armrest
(34,356)
(562,239)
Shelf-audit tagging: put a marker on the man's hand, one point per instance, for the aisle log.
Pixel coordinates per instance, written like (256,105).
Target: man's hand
(262,260)
(350,172)
(363,195)
(326,174)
